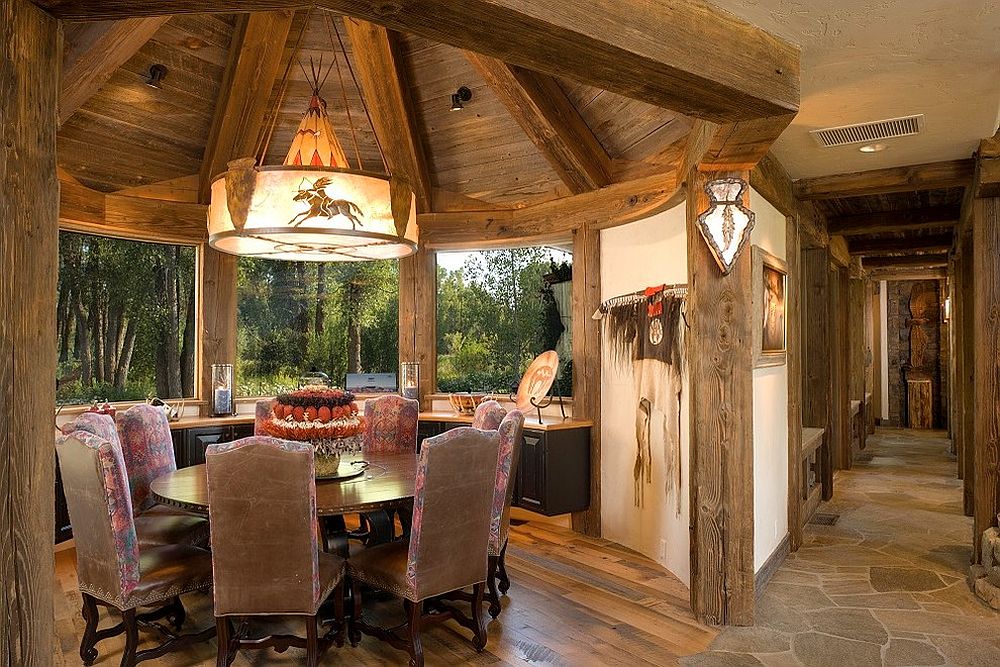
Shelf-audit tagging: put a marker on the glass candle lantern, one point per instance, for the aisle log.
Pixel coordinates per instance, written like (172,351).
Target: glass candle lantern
(222,390)
(409,379)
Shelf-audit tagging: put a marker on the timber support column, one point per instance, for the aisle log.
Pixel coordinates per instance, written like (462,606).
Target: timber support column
(218,317)
(720,363)
(29,241)
(418,318)
(587,362)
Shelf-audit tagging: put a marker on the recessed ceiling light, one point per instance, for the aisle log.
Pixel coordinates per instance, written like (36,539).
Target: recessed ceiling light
(873,148)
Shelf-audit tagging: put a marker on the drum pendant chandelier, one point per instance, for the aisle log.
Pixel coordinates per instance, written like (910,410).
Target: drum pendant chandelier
(314,207)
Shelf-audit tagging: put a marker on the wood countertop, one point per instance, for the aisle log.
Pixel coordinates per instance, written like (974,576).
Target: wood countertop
(548,423)
(199,422)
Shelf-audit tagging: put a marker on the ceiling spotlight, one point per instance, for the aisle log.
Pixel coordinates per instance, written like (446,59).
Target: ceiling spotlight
(157,73)
(461,95)
(873,148)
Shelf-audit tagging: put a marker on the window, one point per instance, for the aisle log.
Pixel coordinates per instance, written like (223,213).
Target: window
(497,310)
(126,319)
(302,317)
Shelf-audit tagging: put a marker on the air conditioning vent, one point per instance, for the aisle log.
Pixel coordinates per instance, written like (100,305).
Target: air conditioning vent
(863,133)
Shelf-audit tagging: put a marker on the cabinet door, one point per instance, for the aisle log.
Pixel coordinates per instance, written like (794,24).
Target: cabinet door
(180,453)
(198,439)
(531,473)
(241,431)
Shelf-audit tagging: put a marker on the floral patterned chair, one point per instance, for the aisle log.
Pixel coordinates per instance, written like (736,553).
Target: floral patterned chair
(511,436)
(390,424)
(113,568)
(452,507)
(148,451)
(488,415)
(265,549)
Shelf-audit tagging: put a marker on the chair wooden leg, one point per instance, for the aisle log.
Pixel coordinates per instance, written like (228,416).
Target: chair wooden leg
(224,638)
(312,641)
(502,570)
(353,630)
(177,614)
(478,620)
(131,638)
(91,616)
(338,613)
(414,614)
(491,581)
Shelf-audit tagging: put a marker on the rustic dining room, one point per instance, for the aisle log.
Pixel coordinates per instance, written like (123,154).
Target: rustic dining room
(499,332)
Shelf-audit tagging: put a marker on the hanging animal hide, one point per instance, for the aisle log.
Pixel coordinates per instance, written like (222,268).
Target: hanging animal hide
(646,334)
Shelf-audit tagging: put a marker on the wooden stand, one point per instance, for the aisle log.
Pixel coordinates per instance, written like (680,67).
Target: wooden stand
(918,395)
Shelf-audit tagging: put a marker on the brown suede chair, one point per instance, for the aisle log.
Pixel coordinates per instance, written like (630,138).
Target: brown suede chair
(113,569)
(452,504)
(262,506)
(511,436)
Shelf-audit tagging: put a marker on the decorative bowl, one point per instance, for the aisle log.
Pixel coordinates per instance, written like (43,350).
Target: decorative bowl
(465,403)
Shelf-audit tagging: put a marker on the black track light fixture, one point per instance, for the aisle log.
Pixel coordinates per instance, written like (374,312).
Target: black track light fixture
(460,96)
(157,73)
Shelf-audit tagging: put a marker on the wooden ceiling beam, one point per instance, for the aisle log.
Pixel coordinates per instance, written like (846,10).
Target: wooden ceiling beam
(555,220)
(94,51)
(935,243)
(895,221)
(684,55)
(378,60)
(254,60)
(907,262)
(908,274)
(929,176)
(545,113)
(740,146)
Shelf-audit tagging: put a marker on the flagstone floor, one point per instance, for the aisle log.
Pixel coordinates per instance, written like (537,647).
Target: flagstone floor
(886,584)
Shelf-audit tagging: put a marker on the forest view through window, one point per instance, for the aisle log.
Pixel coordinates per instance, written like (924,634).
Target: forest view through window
(496,311)
(126,319)
(296,318)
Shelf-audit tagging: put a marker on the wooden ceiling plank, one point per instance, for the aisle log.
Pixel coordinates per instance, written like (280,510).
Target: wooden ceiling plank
(910,261)
(896,221)
(255,59)
(935,243)
(94,52)
(545,113)
(929,176)
(377,57)
(684,55)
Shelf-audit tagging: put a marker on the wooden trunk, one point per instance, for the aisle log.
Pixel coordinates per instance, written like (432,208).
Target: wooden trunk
(29,200)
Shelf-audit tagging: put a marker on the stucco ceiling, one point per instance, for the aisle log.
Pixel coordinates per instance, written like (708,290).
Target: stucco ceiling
(865,60)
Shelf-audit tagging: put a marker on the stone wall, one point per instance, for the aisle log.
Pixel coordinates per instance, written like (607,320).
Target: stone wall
(898,339)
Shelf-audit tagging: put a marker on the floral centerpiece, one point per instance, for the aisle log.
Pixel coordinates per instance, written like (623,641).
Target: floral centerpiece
(327,418)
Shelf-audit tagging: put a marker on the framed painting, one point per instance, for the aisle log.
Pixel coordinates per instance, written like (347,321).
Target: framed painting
(770,283)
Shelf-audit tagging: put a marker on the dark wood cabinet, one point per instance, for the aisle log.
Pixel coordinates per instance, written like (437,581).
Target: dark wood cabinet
(190,444)
(64,530)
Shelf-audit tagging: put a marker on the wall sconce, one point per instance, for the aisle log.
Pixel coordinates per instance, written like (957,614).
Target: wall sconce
(727,223)
(461,95)
(157,73)
(947,309)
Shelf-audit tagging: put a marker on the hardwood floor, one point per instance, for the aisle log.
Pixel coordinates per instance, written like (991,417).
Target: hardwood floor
(573,601)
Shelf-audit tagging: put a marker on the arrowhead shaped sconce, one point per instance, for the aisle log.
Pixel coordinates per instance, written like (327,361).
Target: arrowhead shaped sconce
(727,223)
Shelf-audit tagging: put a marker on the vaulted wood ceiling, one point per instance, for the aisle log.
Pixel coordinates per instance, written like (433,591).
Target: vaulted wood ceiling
(128,134)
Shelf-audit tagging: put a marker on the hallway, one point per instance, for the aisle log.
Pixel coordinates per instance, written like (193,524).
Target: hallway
(886,584)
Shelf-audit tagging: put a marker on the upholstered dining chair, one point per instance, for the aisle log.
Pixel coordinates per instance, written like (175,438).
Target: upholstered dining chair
(265,545)
(390,424)
(488,415)
(113,568)
(148,451)
(511,436)
(452,505)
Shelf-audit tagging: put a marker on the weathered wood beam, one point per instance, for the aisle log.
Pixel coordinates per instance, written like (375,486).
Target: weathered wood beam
(254,60)
(418,318)
(29,264)
(910,244)
(720,353)
(891,274)
(541,108)
(94,51)
(909,261)
(378,63)
(949,174)
(683,55)
(614,205)
(895,221)
(742,145)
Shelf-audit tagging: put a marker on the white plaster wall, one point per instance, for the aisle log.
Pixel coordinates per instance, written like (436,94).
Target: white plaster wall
(770,414)
(634,256)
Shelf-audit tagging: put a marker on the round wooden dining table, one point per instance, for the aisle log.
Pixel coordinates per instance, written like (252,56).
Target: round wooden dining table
(387,481)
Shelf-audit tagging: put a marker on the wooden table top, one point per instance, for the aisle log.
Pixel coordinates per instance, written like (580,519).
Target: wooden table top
(387,482)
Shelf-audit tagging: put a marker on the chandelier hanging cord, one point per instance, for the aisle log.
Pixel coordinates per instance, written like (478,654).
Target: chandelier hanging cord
(343,90)
(264,141)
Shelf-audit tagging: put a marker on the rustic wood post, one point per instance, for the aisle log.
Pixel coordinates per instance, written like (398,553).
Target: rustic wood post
(587,362)
(29,241)
(418,318)
(793,319)
(218,317)
(816,354)
(966,385)
(720,363)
